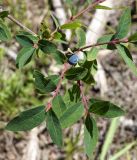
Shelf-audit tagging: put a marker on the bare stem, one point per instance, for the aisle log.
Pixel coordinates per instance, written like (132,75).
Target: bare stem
(49,105)
(86,9)
(20,24)
(84,98)
(116,41)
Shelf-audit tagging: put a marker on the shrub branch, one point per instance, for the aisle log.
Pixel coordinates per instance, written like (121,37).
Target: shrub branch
(86,9)
(113,42)
(20,24)
(49,105)
(84,98)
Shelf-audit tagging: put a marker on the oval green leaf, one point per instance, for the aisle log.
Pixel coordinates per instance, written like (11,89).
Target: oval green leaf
(24,56)
(44,84)
(71,25)
(5,34)
(72,115)
(24,41)
(124,24)
(90,135)
(27,119)
(125,54)
(54,128)
(76,74)
(58,106)
(47,47)
(105,109)
(81,37)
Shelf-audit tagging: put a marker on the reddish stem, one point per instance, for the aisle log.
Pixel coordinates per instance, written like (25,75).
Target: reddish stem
(49,105)
(84,98)
(115,41)
(72,18)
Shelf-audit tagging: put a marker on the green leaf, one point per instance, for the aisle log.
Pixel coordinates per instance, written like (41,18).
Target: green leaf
(44,85)
(90,135)
(55,20)
(124,24)
(72,115)
(77,73)
(125,54)
(71,25)
(104,39)
(92,54)
(92,69)
(89,79)
(103,7)
(24,56)
(91,66)
(24,40)
(92,101)
(60,37)
(72,95)
(133,38)
(4,14)
(29,35)
(105,109)
(57,35)
(81,37)
(5,34)
(59,57)
(54,78)
(27,119)
(54,128)
(58,106)
(47,47)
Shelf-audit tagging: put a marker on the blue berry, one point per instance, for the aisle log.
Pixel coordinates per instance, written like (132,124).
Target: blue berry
(73,59)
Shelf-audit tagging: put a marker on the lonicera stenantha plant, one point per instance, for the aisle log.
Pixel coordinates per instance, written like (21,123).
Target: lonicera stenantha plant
(63,111)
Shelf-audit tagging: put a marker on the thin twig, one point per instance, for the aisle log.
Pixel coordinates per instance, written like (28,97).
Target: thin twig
(20,24)
(49,105)
(84,98)
(86,9)
(115,41)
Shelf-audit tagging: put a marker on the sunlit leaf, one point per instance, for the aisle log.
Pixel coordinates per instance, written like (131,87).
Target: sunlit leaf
(81,37)
(71,25)
(58,106)
(72,115)
(24,56)
(125,54)
(124,24)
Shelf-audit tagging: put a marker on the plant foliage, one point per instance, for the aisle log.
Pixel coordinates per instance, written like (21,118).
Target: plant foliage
(62,111)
